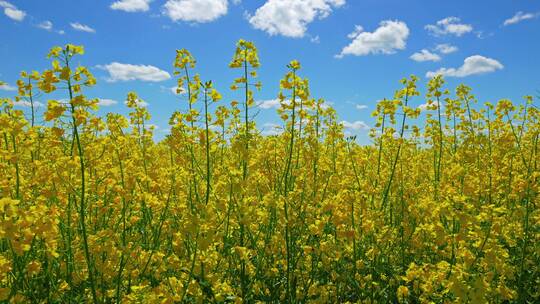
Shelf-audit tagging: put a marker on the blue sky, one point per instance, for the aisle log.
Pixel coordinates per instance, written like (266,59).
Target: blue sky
(353,51)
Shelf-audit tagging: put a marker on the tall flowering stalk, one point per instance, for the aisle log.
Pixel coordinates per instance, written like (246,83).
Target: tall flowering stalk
(246,58)
(78,105)
(402,98)
(299,91)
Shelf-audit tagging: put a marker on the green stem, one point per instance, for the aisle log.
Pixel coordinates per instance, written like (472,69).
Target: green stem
(82,212)
(387,189)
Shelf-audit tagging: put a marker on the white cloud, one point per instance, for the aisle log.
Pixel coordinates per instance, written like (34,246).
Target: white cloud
(389,37)
(131,5)
(361,107)
(520,16)
(5,4)
(126,72)
(326,104)
(290,18)
(200,11)
(12,11)
(315,39)
(429,107)
(46,25)
(7,87)
(105,102)
(269,104)
(449,25)
(27,104)
(270,129)
(357,30)
(174,90)
(446,48)
(276,103)
(355,125)
(82,27)
(425,55)
(471,66)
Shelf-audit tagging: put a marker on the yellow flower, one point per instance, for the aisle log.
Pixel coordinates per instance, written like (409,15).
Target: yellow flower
(54,52)
(295,65)
(54,110)
(33,268)
(402,293)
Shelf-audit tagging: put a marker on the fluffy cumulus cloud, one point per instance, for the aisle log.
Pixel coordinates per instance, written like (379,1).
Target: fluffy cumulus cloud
(126,72)
(472,65)
(446,48)
(449,26)
(429,107)
(355,125)
(131,5)
(269,104)
(12,11)
(520,16)
(198,11)
(425,55)
(290,18)
(388,38)
(105,102)
(276,103)
(82,27)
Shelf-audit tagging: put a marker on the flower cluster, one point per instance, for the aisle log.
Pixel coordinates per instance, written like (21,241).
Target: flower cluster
(437,210)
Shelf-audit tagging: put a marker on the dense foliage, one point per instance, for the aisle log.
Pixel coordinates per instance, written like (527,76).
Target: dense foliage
(441,208)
